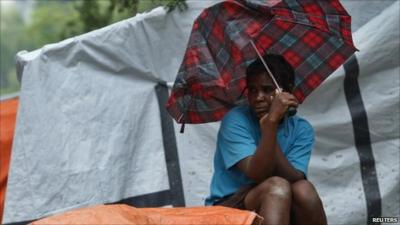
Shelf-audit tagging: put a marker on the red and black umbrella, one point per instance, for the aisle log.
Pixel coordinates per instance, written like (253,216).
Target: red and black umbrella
(314,36)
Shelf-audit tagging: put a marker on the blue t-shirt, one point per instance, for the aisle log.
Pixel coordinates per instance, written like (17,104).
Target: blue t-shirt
(238,138)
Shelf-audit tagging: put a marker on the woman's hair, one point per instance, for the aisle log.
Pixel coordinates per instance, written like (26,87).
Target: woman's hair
(280,68)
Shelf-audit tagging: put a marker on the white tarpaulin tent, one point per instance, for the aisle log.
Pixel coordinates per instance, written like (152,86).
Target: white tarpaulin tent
(92,126)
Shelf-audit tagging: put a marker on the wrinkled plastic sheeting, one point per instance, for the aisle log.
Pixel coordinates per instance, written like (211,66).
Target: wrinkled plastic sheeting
(88,129)
(335,164)
(123,214)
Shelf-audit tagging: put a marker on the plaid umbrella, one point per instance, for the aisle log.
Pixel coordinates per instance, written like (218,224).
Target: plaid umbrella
(314,36)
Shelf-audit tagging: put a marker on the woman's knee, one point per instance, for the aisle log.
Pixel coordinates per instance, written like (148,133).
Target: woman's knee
(271,190)
(275,186)
(304,193)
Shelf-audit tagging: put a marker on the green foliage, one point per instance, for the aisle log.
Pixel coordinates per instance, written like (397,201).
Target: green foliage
(54,20)
(10,29)
(48,22)
(180,4)
(12,83)
(95,14)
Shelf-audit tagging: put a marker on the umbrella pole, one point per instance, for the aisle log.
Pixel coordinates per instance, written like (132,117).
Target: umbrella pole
(291,110)
(266,67)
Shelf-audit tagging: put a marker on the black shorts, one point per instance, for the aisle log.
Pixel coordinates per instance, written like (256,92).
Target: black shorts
(235,200)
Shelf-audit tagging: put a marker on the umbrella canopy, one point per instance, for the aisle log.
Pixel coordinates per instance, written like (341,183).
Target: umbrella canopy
(313,36)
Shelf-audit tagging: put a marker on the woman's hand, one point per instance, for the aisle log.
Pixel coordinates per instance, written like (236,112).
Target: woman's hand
(280,103)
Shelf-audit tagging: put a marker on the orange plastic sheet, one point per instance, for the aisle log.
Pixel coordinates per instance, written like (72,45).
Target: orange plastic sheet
(8,112)
(124,214)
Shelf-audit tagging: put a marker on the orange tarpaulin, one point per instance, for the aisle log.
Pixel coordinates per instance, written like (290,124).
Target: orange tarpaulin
(124,214)
(8,112)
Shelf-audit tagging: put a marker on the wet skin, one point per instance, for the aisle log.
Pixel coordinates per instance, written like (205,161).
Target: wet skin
(261,94)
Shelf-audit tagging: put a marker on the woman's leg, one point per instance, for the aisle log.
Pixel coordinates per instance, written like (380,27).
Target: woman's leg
(272,200)
(307,207)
